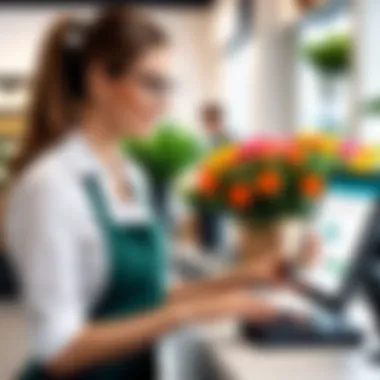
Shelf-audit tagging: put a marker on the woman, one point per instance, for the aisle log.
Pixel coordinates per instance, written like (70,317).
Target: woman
(90,257)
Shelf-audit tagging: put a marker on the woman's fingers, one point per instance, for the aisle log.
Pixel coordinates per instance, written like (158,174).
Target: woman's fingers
(240,305)
(262,311)
(310,251)
(244,305)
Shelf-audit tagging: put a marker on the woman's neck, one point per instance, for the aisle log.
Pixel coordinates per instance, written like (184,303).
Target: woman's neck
(104,144)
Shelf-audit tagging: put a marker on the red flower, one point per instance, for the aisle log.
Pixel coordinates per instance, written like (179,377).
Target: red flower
(295,156)
(207,183)
(269,183)
(240,196)
(312,186)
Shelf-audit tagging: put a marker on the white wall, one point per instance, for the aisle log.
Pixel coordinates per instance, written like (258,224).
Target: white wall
(273,70)
(21,31)
(196,60)
(195,55)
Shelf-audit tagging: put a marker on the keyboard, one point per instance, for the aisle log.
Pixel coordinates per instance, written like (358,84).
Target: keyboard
(289,330)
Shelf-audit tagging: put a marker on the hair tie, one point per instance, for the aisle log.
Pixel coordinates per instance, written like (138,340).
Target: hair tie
(73,57)
(76,35)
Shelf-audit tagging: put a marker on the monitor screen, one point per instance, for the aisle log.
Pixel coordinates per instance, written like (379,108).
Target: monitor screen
(339,223)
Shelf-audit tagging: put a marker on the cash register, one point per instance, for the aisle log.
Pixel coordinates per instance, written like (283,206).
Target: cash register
(347,222)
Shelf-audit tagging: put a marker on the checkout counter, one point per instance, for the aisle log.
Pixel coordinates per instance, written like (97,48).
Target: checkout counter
(234,358)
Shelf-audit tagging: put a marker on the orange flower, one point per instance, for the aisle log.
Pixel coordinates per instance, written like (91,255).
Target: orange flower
(240,196)
(269,183)
(223,159)
(207,183)
(312,186)
(295,156)
(312,141)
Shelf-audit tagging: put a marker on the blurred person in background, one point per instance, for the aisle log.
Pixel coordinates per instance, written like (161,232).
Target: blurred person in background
(213,125)
(90,256)
(210,224)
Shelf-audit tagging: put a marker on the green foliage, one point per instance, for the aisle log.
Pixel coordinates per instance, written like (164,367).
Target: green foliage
(331,55)
(169,151)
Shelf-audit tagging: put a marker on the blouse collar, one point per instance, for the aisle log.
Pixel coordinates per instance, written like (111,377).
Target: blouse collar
(82,162)
(79,156)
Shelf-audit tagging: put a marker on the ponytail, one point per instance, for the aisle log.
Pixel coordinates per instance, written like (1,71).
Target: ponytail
(115,39)
(54,97)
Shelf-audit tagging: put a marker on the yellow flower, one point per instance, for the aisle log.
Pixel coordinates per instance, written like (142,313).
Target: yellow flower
(311,141)
(361,165)
(370,153)
(222,159)
(318,142)
(329,145)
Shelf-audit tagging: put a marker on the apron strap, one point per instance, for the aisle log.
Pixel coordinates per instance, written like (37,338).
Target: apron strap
(98,201)
(100,205)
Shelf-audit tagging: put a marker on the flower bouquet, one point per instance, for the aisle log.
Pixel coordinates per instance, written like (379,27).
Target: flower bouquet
(351,158)
(264,182)
(267,181)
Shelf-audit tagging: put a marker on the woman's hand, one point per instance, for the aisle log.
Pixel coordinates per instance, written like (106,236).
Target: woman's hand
(306,257)
(237,279)
(309,252)
(239,305)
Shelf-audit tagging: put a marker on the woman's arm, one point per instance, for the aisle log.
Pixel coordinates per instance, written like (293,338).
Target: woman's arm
(239,277)
(101,342)
(247,275)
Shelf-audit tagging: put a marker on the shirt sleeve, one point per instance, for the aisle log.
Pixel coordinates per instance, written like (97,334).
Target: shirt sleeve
(41,236)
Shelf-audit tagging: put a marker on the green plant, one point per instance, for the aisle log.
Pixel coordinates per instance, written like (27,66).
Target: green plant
(167,152)
(330,55)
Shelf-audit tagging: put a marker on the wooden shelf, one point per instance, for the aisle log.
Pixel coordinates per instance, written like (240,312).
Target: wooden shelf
(11,126)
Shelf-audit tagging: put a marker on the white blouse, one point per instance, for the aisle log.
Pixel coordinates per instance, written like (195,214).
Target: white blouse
(57,245)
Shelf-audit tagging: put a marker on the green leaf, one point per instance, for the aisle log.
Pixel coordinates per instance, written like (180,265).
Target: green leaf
(169,151)
(331,55)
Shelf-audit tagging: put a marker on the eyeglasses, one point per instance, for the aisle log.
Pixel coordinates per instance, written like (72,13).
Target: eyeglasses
(156,84)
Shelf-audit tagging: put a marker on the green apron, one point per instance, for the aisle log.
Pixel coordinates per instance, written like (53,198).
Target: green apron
(136,284)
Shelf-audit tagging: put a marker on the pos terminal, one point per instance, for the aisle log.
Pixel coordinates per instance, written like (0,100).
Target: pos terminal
(347,222)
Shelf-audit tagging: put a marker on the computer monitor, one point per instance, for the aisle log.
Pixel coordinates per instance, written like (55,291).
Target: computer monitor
(345,222)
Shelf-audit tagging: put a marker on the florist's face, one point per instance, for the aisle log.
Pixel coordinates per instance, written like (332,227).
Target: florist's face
(135,102)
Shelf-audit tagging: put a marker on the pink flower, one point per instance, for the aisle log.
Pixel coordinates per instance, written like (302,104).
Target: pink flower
(262,147)
(252,149)
(349,149)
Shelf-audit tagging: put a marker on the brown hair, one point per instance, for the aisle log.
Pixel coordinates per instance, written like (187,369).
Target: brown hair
(115,39)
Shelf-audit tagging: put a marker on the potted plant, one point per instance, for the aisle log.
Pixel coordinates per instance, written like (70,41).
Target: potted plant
(262,183)
(331,58)
(165,155)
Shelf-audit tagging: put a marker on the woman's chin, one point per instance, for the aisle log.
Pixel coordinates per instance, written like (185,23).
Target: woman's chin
(144,131)
(138,135)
